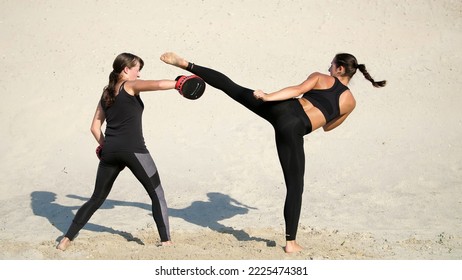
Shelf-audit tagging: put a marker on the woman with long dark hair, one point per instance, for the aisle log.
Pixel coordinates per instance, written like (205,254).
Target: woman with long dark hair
(122,145)
(325,102)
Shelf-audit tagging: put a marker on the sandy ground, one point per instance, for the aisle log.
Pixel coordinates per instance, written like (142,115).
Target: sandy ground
(384,185)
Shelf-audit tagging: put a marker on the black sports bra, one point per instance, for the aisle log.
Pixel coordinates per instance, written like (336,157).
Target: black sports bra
(327,100)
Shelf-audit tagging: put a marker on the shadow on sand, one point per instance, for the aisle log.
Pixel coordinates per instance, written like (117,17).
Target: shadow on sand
(207,214)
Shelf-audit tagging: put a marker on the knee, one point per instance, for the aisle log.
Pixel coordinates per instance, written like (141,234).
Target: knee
(295,190)
(155,180)
(96,202)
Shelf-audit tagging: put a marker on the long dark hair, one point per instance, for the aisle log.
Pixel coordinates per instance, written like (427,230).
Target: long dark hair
(350,64)
(121,61)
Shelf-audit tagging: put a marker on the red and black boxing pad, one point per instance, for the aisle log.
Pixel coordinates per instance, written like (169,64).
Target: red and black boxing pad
(190,87)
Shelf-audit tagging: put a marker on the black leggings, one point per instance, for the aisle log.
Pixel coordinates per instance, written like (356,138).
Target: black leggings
(144,169)
(290,124)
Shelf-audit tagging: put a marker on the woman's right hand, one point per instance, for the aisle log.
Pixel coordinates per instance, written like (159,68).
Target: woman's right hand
(259,94)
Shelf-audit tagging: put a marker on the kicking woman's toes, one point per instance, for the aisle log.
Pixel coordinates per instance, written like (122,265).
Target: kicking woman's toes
(173,59)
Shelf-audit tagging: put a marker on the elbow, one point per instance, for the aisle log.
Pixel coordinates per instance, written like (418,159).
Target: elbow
(94,130)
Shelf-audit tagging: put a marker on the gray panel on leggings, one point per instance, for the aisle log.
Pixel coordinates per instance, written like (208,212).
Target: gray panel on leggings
(164,208)
(148,164)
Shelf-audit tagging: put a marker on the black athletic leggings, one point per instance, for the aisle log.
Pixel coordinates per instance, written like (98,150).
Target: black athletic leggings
(290,123)
(144,169)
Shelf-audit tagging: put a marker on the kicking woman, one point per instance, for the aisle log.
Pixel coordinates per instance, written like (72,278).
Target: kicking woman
(326,102)
(122,145)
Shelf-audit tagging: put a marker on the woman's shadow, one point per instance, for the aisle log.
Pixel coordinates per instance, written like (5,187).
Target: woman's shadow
(60,216)
(207,214)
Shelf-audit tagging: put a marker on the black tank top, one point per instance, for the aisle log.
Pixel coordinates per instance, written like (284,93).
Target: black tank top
(327,100)
(124,132)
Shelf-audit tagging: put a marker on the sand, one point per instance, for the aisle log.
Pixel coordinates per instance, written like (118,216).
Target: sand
(386,185)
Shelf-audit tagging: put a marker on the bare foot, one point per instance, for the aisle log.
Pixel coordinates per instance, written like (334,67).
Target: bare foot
(292,247)
(173,59)
(167,243)
(64,244)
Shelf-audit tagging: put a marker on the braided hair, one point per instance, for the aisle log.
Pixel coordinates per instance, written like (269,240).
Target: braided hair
(350,64)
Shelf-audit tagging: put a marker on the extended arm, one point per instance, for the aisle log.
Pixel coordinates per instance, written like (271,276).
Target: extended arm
(289,92)
(137,86)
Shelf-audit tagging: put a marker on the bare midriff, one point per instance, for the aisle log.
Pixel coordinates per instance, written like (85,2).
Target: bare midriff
(314,114)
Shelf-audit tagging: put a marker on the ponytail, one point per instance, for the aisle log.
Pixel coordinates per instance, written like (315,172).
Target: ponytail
(368,77)
(121,61)
(350,64)
(109,90)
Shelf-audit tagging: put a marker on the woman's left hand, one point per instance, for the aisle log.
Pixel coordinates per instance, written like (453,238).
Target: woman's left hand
(99,149)
(259,94)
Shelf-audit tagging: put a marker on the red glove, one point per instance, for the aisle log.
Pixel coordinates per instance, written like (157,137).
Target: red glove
(98,151)
(191,87)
